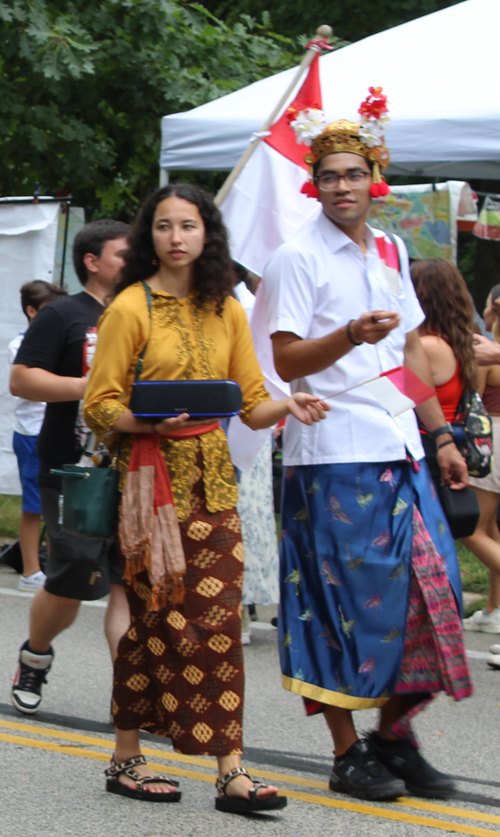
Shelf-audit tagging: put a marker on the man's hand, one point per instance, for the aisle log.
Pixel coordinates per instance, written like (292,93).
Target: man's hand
(295,357)
(487,352)
(453,467)
(374,326)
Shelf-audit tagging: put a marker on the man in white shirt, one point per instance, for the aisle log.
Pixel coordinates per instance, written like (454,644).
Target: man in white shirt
(369,577)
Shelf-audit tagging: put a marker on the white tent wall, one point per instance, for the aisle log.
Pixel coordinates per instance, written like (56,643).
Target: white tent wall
(439,72)
(28,235)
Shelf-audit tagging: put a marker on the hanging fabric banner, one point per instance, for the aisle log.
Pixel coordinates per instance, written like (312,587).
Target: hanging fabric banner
(488,224)
(425,216)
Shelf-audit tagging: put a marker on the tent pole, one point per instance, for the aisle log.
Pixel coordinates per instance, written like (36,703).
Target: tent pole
(322,32)
(163,178)
(65,242)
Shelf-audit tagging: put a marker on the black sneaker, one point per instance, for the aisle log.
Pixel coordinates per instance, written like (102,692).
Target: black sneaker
(26,694)
(360,774)
(405,762)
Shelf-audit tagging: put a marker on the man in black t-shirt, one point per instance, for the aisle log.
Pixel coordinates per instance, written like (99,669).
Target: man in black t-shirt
(52,365)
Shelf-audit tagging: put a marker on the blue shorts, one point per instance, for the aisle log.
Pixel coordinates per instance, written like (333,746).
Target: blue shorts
(28,464)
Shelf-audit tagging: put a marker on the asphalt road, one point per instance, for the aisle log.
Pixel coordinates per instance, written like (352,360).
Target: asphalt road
(52,763)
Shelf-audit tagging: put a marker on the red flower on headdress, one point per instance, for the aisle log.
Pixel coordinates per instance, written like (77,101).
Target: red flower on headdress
(375,104)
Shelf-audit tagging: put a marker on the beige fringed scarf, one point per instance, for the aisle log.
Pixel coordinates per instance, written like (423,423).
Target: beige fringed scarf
(148,529)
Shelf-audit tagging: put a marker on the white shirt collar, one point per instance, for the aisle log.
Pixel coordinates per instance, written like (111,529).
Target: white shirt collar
(336,239)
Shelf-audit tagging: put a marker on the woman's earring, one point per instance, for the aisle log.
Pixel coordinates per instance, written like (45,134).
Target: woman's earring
(202,261)
(154,262)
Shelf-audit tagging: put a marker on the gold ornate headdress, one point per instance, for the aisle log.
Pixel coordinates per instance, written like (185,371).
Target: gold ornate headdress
(365,139)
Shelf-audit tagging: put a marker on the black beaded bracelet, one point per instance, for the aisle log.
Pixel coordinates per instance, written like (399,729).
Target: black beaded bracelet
(440,431)
(449,442)
(349,334)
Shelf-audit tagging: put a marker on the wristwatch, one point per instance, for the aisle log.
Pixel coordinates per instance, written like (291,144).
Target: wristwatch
(440,431)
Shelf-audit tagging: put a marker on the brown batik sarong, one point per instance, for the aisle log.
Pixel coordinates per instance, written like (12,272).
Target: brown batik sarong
(179,671)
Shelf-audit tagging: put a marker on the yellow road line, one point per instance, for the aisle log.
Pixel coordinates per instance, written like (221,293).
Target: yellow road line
(166,754)
(265,774)
(91,754)
(450,811)
(417,804)
(391,812)
(102,742)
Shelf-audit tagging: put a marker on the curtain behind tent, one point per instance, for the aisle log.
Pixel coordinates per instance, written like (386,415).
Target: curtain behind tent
(27,247)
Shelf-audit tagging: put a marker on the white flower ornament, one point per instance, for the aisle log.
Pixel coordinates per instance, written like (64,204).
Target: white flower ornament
(308,124)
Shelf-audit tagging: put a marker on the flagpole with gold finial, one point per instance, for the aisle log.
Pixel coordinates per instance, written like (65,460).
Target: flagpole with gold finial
(323,33)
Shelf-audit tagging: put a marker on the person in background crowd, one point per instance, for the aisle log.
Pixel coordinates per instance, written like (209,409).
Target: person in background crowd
(256,507)
(362,555)
(179,669)
(28,421)
(491,312)
(447,338)
(51,366)
(485,542)
(488,351)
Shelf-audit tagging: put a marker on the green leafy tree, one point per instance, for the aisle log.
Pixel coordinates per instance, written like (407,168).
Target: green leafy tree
(350,19)
(84,84)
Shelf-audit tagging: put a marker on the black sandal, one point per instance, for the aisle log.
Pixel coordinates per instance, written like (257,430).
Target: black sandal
(113,784)
(240,805)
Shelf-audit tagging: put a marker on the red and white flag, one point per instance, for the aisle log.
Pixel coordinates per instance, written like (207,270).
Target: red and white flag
(397,390)
(265,206)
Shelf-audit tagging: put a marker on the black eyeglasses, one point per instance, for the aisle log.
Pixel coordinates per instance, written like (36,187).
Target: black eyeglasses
(329,181)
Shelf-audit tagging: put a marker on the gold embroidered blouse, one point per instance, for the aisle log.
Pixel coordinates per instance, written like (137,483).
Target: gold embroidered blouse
(183,343)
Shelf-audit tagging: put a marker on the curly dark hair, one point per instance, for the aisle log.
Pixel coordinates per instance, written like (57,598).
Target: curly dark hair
(213,271)
(448,310)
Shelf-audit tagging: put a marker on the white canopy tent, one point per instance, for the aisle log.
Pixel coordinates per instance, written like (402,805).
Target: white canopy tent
(31,247)
(28,234)
(439,72)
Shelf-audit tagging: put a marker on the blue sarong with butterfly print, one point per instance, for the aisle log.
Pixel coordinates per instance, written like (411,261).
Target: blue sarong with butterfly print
(346,553)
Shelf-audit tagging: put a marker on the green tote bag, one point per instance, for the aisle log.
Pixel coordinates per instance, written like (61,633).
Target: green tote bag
(90,500)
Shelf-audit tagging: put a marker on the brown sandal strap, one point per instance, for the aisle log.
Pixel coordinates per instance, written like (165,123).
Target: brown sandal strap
(221,784)
(116,768)
(153,780)
(127,767)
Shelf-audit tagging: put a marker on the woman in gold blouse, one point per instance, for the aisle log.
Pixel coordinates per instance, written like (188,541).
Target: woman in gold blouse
(179,668)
